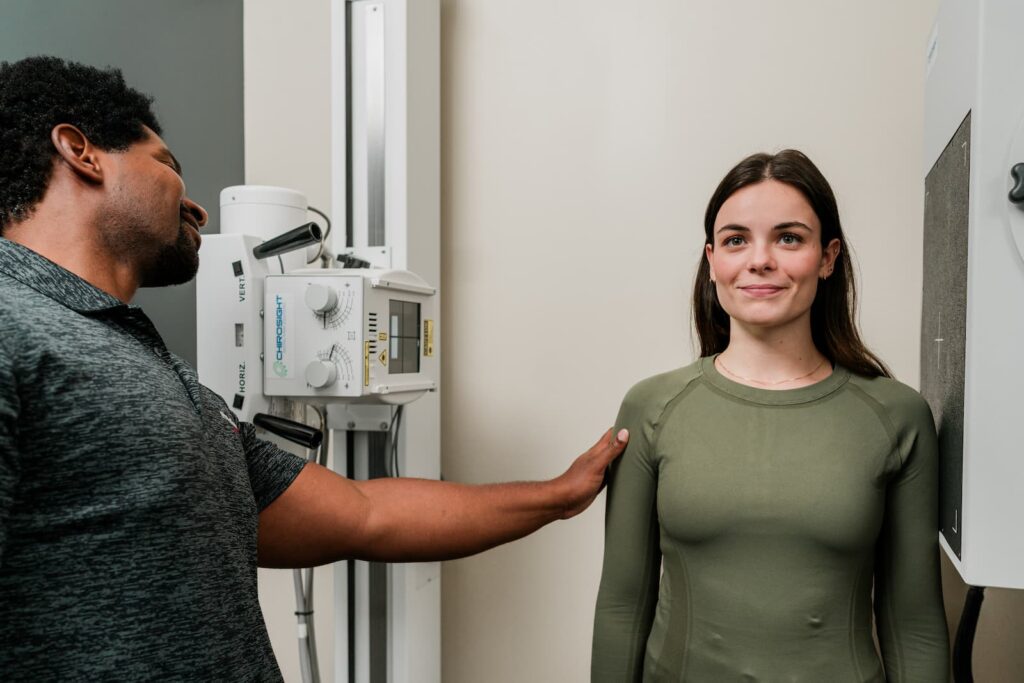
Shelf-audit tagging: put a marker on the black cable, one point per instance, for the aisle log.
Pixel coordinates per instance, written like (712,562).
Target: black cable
(326,232)
(963,646)
(394,429)
(389,446)
(320,213)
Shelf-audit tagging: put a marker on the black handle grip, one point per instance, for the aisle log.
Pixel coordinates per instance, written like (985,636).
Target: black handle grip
(300,237)
(1017,193)
(296,432)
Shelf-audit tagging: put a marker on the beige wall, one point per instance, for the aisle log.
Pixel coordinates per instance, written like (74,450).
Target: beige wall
(580,142)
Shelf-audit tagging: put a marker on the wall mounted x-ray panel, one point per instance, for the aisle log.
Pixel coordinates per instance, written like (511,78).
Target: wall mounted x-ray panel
(972,370)
(944,318)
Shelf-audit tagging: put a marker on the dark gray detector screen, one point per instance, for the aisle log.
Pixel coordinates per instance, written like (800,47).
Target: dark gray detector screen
(944,319)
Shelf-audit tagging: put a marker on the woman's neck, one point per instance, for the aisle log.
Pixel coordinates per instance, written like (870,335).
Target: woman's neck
(777,358)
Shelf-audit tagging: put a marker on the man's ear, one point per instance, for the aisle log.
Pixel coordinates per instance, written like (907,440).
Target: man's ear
(75,149)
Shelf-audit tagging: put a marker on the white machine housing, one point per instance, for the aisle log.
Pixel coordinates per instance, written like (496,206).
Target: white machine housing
(229,291)
(350,335)
(973,64)
(229,329)
(262,333)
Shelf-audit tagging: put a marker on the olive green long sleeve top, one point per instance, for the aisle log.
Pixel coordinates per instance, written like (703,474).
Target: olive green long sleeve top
(746,527)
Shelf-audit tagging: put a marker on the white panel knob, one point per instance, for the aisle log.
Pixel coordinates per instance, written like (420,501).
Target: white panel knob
(321,373)
(320,298)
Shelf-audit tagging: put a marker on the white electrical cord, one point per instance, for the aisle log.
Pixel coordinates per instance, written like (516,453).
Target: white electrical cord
(303,580)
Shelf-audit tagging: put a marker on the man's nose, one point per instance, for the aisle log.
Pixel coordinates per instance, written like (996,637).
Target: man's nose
(196,211)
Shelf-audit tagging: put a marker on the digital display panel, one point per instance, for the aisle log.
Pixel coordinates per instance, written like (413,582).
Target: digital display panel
(403,337)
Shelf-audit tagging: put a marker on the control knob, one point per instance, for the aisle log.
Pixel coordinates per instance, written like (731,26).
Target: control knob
(321,373)
(321,299)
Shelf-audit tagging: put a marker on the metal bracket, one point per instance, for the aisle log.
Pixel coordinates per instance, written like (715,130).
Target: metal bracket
(357,417)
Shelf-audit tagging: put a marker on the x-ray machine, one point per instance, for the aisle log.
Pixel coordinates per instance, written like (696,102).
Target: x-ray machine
(347,319)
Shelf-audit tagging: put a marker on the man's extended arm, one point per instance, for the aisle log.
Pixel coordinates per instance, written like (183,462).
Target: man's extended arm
(323,517)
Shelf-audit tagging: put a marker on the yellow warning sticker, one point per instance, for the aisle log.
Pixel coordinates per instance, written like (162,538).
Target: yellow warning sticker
(383,357)
(428,338)
(366,364)
(382,336)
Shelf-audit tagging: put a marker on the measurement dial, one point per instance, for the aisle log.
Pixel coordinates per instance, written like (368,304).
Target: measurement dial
(342,360)
(340,313)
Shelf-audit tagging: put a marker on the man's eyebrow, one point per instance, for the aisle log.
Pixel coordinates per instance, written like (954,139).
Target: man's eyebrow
(173,159)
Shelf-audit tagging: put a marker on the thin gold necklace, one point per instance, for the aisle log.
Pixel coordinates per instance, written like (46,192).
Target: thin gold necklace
(768,384)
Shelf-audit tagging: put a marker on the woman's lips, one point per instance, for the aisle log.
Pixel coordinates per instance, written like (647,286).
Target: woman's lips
(761,291)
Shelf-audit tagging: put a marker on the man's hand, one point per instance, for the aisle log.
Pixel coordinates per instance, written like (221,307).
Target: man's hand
(323,517)
(586,476)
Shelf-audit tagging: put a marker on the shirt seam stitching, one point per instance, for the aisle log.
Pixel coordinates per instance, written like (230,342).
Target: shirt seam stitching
(670,407)
(879,410)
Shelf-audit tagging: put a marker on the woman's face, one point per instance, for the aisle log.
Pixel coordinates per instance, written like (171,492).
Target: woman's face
(766,257)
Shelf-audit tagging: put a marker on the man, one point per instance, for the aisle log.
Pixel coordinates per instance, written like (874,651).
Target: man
(132,513)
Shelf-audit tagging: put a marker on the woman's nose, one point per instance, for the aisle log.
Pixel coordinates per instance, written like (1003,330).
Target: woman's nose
(761,258)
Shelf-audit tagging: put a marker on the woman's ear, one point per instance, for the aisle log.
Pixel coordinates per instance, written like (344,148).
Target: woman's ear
(77,152)
(709,254)
(828,258)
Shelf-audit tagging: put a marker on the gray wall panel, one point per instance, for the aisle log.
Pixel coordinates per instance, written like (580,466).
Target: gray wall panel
(185,53)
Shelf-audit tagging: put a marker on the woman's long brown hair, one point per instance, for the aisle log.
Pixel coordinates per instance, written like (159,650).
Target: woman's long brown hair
(833,311)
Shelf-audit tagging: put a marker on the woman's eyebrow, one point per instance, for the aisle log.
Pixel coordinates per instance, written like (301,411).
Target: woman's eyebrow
(781,226)
(733,226)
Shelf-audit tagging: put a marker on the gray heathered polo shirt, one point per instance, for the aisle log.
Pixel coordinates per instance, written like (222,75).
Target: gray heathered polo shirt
(128,496)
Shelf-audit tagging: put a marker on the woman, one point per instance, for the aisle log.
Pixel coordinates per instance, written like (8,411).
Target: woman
(769,486)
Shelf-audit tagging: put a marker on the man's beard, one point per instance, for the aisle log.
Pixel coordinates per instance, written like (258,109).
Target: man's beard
(159,265)
(169,264)
(130,232)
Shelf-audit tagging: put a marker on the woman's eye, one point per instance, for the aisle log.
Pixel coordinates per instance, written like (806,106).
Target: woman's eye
(790,238)
(733,241)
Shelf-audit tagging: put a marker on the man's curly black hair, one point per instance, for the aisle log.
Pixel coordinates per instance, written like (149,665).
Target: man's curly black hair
(39,93)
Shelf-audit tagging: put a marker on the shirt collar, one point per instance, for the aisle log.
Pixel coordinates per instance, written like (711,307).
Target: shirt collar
(53,281)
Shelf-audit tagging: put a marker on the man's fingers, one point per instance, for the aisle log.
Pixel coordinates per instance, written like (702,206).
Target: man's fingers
(580,477)
(619,442)
(609,447)
(607,440)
